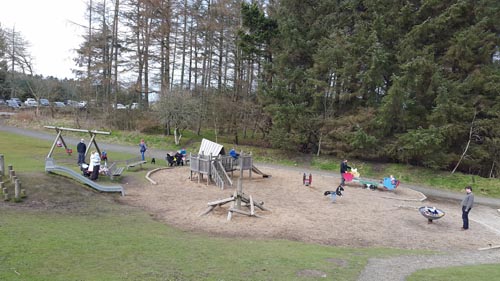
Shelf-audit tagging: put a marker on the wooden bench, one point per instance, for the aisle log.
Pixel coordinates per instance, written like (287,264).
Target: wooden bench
(134,162)
(114,171)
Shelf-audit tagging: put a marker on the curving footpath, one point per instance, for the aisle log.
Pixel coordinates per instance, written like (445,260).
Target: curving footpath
(398,268)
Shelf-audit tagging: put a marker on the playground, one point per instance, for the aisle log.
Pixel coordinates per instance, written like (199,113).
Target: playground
(360,218)
(284,207)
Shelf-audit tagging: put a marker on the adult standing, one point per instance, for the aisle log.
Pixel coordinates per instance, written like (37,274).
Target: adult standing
(81,148)
(467,206)
(142,148)
(344,167)
(95,163)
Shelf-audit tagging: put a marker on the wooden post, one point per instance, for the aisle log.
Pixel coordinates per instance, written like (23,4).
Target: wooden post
(54,144)
(23,193)
(2,166)
(17,189)
(10,168)
(239,193)
(252,207)
(6,197)
(199,170)
(4,190)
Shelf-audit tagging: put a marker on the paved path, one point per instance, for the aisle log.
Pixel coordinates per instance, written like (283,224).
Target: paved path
(396,268)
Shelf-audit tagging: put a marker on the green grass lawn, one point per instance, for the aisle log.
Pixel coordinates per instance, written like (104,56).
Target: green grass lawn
(64,231)
(123,244)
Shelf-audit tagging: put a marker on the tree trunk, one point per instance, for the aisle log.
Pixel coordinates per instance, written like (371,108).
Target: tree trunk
(471,130)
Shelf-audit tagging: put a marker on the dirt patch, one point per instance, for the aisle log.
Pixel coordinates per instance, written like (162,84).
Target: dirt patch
(361,218)
(311,273)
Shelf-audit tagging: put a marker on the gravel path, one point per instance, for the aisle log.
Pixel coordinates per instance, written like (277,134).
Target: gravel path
(395,268)
(398,268)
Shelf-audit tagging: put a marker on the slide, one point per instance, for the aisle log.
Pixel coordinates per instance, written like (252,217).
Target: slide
(50,166)
(259,172)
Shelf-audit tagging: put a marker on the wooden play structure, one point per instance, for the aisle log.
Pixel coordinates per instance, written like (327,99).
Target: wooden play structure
(51,166)
(211,163)
(59,138)
(240,203)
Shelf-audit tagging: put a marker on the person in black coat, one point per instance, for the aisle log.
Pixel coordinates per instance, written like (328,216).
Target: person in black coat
(343,169)
(81,148)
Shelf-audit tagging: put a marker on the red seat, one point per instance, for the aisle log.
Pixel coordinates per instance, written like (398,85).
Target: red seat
(347,176)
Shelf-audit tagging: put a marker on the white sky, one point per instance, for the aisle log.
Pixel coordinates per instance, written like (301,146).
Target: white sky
(48,26)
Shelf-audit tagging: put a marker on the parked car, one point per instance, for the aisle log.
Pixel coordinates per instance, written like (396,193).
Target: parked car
(58,104)
(2,102)
(12,104)
(30,102)
(18,101)
(134,105)
(120,106)
(44,102)
(72,103)
(82,104)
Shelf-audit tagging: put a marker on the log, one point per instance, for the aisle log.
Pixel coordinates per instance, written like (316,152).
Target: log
(240,211)
(490,247)
(221,202)
(259,205)
(208,210)
(244,212)
(252,207)
(230,213)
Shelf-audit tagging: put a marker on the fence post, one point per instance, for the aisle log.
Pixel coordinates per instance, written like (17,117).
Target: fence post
(17,189)
(2,166)
(10,168)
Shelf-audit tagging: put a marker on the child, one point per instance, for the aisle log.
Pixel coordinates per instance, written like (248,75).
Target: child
(104,157)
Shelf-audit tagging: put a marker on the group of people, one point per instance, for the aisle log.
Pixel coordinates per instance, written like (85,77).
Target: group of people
(176,159)
(466,204)
(92,169)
